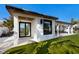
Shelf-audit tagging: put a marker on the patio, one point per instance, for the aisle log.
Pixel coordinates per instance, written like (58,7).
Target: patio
(8,42)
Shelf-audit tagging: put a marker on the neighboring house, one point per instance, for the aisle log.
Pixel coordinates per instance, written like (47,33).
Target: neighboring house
(32,26)
(76,28)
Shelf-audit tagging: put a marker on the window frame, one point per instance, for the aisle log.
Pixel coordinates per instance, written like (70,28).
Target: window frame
(50,32)
(25,28)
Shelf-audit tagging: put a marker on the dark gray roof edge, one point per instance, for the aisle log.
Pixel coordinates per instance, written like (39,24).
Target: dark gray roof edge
(32,12)
(63,22)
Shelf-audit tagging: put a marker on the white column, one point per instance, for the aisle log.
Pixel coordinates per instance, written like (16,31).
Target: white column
(34,29)
(57,30)
(16,29)
(72,30)
(53,28)
(69,29)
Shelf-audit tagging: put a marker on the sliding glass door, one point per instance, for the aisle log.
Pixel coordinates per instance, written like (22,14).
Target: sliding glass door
(28,29)
(24,29)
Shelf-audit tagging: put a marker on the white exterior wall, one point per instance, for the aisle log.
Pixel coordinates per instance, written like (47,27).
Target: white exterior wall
(40,36)
(33,31)
(36,30)
(16,28)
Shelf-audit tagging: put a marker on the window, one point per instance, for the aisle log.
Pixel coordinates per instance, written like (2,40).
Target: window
(47,27)
(24,29)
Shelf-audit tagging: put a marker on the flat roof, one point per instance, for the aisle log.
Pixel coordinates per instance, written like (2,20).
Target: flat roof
(30,12)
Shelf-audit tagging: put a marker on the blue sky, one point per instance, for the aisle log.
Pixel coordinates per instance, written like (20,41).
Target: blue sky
(63,11)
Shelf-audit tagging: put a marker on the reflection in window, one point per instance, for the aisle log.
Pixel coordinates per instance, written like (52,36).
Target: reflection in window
(27,29)
(47,27)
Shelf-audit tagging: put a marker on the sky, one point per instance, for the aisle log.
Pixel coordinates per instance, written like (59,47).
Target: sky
(63,11)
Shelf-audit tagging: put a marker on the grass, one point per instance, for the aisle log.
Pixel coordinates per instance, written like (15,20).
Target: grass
(61,45)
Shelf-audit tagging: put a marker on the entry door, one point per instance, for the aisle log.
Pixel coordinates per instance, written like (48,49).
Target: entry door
(24,29)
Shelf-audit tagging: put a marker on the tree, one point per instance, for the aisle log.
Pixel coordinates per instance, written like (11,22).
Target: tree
(8,23)
(74,21)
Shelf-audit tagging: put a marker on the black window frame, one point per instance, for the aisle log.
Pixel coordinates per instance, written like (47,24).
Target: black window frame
(48,32)
(25,28)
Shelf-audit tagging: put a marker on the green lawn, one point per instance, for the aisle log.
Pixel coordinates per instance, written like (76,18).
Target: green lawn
(62,45)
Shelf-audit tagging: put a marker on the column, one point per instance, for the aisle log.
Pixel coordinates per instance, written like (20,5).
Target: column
(16,29)
(68,29)
(53,28)
(57,30)
(72,30)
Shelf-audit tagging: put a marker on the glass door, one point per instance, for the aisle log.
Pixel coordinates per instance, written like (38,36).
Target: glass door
(24,29)
(28,29)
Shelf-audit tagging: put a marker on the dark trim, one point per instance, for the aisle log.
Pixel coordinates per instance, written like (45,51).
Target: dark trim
(63,22)
(41,21)
(50,24)
(25,28)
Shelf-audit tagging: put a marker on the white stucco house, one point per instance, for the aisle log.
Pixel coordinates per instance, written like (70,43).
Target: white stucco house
(33,26)
(76,28)
(30,25)
(76,25)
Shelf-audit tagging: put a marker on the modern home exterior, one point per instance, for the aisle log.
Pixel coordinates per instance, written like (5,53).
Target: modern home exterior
(30,25)
(34,26)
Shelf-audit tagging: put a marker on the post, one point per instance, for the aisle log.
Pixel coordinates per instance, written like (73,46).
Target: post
(72,30)
(58,30)
(53,27)
(69,29)
(16,29)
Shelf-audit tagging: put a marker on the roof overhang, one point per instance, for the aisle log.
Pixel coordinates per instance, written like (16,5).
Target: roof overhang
(62,22)
(12,10)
